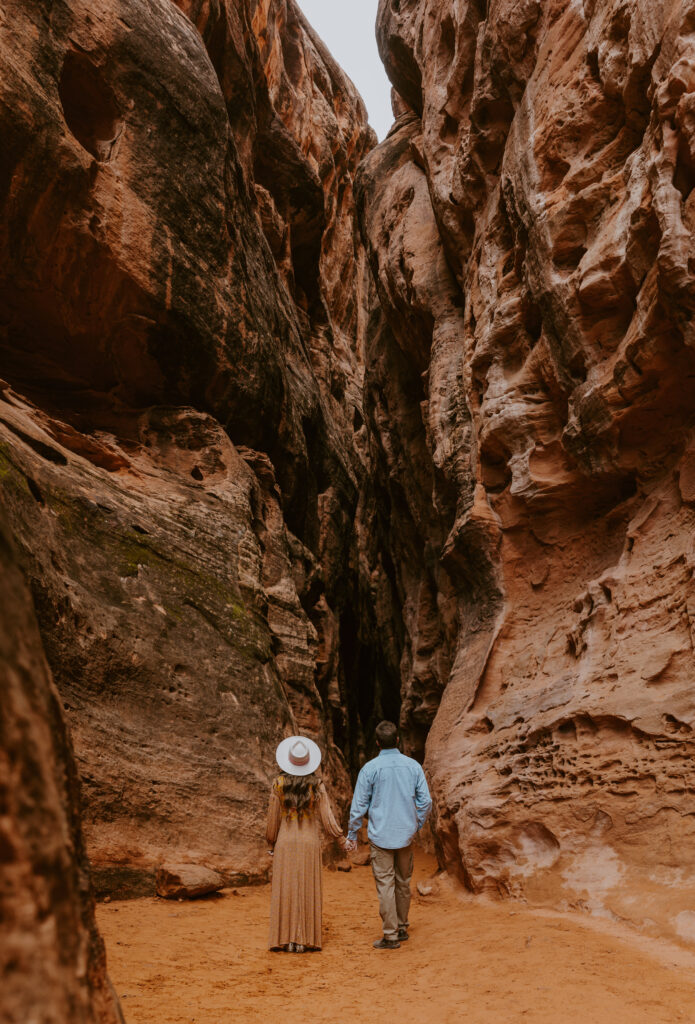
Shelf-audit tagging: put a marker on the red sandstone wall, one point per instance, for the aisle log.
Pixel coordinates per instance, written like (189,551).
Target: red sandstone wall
(52,960)
(529,386)
(183,296)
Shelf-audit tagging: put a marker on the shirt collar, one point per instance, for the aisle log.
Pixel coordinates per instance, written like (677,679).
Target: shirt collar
(388,751)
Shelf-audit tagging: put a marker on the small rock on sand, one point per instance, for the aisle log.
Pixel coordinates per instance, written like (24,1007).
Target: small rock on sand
(186,881)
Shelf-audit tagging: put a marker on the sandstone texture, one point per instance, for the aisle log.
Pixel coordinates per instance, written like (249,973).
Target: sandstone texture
(52,961)
(291,446)
(529,393)
(183,297)
(186,881)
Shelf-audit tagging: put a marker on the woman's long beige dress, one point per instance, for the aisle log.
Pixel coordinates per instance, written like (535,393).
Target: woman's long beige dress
(295,902)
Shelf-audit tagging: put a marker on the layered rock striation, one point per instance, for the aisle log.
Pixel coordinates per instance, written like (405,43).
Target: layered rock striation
(529,392)
(183,294)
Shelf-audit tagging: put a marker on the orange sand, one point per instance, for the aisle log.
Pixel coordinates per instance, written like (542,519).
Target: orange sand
(467,962)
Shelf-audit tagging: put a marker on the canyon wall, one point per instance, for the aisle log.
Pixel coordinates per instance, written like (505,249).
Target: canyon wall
(183,291)
(529,391)
(282,454)
(52,961)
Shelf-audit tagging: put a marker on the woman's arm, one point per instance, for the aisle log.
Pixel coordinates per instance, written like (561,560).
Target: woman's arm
(274,818)
(327,817)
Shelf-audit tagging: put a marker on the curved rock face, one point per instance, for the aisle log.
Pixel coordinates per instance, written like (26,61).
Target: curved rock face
(52,961)
(252,495)
(183,294)
(529,388)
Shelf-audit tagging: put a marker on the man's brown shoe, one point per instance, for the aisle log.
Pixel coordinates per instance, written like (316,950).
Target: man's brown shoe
(403,935)
(387,944)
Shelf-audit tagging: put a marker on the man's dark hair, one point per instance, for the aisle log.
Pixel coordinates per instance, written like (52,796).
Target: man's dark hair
(386,734)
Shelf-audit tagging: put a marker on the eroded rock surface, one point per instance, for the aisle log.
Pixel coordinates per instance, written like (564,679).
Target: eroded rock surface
(529,392)
(183,293)
(252,497)
(52,961)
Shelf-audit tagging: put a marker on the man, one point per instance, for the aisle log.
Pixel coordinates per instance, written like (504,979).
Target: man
(392,790)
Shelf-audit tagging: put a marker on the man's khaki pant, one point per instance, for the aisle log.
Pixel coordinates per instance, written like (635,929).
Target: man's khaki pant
(393,870)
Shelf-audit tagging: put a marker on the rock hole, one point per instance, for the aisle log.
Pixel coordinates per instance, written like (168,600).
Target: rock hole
(554,172)
(672,724)
(140,529)
(684,175)
(89,105)
(449,130)
(196,473)
(592,63)
(577,367)
(496,474)
(357,421)
(568,257)
(35,491)
(533,320)
(567,729)
(447,42)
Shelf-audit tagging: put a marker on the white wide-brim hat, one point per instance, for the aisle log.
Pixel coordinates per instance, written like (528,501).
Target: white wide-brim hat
(298,755)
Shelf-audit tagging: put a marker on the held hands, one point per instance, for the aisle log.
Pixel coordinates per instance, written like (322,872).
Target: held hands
(350,845)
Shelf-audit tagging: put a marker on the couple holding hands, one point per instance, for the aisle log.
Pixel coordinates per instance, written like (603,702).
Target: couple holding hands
(391,789)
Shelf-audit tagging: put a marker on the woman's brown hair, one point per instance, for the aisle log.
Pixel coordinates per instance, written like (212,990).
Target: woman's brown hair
(297,794)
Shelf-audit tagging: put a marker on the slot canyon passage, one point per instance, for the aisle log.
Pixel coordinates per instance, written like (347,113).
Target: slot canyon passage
(299,431)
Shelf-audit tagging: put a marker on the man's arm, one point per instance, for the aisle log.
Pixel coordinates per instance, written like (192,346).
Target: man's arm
(423,800)
(361,799)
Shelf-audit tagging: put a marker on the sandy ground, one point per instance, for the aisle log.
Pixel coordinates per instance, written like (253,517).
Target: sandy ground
(467,961)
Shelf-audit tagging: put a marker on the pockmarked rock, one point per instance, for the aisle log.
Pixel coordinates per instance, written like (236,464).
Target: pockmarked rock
(530,401)
(186,881)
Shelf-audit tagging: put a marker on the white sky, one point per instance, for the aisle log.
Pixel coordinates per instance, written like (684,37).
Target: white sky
(347,29)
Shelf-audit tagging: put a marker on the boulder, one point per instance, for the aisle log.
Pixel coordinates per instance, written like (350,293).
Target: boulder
(186,881)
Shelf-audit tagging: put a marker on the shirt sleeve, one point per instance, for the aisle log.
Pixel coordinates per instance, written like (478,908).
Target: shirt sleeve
(361,800)
(326,813)
(423,800)
(274,818)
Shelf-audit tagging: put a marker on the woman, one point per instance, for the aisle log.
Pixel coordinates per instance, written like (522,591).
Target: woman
(297,801)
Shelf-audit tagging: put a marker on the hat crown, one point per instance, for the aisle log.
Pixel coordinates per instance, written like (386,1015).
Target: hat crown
(299,753)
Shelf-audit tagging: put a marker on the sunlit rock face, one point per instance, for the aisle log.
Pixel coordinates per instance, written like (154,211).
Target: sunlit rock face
(530,393)
(52,961)
(183,292)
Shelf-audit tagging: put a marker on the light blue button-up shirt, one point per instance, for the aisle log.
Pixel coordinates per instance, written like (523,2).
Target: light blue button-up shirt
(392,790)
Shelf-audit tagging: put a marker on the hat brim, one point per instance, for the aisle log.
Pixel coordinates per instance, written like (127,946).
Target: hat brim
(282,756)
